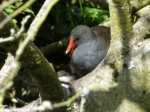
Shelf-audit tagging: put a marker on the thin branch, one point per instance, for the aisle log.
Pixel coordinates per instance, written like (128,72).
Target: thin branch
(36,24)
(54,47)
(6,3)
(8,39)
(33,61)
(17,35)
(12,65)
(68,102)
(7,73)
(6,20)
(46,105)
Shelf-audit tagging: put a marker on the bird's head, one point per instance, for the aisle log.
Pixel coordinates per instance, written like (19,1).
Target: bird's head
(79,35)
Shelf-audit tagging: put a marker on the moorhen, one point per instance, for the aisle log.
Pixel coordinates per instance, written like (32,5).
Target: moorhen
(90,46)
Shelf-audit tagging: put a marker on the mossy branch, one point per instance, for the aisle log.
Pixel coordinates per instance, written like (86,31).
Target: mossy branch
(33,61)
(121,77)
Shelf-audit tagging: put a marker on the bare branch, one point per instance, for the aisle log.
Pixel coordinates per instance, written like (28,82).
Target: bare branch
(142,27)
(7,73)
(41,16)
(6,20)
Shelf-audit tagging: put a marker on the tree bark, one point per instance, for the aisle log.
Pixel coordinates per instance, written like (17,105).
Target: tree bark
(121,82)
(33,61)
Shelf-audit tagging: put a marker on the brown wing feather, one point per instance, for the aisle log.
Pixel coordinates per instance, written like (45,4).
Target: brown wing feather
(103,35)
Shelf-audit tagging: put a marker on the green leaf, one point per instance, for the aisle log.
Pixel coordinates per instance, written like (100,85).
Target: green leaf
(18,4)
(9,10)
(94,15)
(14,21)
(11,7)
(29,11)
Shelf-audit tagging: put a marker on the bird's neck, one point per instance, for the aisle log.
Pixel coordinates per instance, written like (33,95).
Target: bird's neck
(89,37)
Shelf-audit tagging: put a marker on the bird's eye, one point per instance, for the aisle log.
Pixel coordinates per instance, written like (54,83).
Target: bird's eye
(77,39)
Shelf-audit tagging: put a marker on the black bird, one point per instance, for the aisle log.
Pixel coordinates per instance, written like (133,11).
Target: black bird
(90,46)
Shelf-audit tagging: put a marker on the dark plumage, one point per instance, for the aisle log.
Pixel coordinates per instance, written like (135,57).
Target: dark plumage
(90,46)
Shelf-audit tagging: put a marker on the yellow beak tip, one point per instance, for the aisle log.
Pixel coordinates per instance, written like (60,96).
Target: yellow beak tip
(66,51)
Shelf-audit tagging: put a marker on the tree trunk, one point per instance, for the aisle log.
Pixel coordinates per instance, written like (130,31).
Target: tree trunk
(121,82)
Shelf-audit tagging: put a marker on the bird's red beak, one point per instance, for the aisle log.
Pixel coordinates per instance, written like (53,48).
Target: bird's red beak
(71,45)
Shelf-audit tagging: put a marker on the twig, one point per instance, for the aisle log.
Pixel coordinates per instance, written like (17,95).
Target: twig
(6,20)
(36,24)
(15,100)
(8,39)
(6,3)
(83,100)
(68,102)
(12,65)
(24,21)
(17,35)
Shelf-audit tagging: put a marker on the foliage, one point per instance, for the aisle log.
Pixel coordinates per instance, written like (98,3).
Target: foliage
(62,19)
(13,7)
(93,16)
(59,23)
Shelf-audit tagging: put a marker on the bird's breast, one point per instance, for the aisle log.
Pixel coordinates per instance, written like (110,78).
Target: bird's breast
(85,58)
